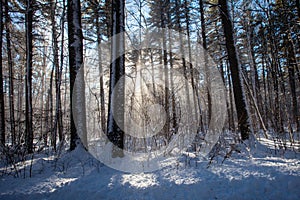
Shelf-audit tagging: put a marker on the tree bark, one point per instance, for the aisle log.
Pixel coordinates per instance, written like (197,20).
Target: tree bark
(75,46)
(50,110)
(2,108)
(231,116)
(56,68)
(59,108)
(108,16)
(166,73)
(117,71)
(57,121)
(101,81)
(11,76)
(292,64)
(239,97)
(174,115)
(195,90)
(28,76)
(204,44)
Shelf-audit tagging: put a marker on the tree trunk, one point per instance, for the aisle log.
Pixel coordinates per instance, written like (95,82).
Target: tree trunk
(101,81)
(77,106)
(28,76)
(174,115)
(239,97)
(204,43)
(11,76)
(108,17)
(57,121)
(2,108)
(117,71)
(231,116)
(20,89)
(50,96)
(166,75)
(42,102)
(195,90)
(60,117)
(292,64)
(265,100)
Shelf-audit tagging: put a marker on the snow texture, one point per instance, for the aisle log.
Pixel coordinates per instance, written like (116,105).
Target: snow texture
(77,175)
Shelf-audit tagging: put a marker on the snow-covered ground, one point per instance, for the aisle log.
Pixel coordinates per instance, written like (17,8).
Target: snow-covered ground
(263,174)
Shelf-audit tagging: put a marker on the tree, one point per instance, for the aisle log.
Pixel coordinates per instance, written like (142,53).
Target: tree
(58,121)
(11,74)
(28,76)
(2,108)
(204,44)
(59,115)
(239,96)
(76,64)
(97,29)
(117,71)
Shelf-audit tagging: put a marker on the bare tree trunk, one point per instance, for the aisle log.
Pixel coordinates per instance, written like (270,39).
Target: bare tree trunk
(174,115)
(204,43)
(102,97)
(229,99)
(20,89)
(265,107)
(57,121)
(43,117)
(166,77)
(76,64)
(275,72)
(11,76)
(50,96)
(185,70)
(28,91)
(231,116)
(59,111)
(240,101)
(47,123)
(255,93)
(292,64)
(256,107)
(117,71)
(2,108)
(108,17)
(195,90)
(207,74)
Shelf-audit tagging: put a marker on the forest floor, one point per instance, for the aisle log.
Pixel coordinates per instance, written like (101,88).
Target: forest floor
(265,173)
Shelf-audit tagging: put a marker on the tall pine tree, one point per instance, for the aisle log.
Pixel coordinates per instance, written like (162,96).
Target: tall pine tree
(239,96)
(117,71)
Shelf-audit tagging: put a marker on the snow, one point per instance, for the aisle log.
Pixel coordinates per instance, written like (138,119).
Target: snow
(265,174)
